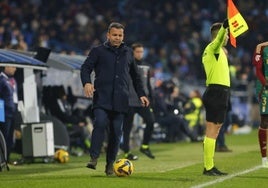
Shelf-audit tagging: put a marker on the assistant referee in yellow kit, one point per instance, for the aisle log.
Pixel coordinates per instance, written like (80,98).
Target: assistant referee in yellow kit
(217,93)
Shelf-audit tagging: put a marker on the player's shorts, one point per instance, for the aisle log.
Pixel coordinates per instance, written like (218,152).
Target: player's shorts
(262,94)
(215,99)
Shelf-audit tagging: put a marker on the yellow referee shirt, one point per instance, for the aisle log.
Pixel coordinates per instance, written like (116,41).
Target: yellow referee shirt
(215,61)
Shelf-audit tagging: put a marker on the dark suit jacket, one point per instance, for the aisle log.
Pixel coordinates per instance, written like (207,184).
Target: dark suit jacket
(112,67)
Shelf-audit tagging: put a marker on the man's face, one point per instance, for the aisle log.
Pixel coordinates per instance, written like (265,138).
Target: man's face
(138,53)
(115,36)
(10,71)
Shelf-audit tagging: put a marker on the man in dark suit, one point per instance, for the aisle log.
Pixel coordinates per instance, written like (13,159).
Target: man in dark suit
(112,63)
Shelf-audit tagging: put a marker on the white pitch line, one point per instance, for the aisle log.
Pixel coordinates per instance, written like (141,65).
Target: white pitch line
(226,177)
(177,167)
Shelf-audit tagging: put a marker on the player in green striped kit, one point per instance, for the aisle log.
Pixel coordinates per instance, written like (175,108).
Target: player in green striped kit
(260,61)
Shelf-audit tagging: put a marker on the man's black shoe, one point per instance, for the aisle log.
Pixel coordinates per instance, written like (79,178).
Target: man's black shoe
(222,149)
(131,157)
(92,163)
(109,169)
(147,152)
(214,172)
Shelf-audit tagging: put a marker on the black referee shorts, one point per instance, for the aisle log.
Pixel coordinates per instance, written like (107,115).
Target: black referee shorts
(215,100)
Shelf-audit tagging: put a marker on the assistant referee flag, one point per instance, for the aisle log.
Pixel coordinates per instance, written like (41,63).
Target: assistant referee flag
(237,24)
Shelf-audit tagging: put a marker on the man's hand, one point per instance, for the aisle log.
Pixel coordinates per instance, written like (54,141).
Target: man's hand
(88,90)
(257,59)
(144,101)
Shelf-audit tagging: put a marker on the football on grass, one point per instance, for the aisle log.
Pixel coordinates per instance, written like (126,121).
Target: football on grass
(123,167)
(61,156)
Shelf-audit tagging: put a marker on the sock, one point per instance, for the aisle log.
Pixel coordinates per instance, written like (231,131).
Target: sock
(209,151)
(264,160)
(126,154)
(262,141)
(87,143)
(143,146)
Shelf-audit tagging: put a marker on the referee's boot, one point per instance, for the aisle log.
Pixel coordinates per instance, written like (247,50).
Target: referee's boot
(214,172)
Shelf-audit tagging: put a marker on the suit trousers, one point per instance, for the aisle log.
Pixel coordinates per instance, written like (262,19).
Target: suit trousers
(112,122)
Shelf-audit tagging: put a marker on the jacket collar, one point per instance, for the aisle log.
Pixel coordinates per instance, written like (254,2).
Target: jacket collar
(4,75)
(107,44)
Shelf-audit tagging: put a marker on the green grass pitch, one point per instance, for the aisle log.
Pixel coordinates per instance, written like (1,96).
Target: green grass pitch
(176,165)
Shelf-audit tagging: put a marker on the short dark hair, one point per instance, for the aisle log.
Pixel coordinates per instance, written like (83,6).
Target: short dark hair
(136,45)
(115,25)
(215,28)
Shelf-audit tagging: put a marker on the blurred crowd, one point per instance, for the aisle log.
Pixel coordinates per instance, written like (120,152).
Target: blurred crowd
(174,32)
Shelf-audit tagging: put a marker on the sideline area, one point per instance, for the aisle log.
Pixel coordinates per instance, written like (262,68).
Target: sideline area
(218,180)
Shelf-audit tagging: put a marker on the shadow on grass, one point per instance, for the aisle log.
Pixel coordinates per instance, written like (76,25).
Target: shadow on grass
(39,168)
(148,178)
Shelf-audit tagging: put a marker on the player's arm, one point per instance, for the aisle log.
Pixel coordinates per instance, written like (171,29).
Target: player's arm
(220,38)
(86,70)
(260,46)
(137,83)
(217,43)
(258,62)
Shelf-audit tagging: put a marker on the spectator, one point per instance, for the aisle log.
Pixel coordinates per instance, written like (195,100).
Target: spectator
(8,93)
(76,125)
(168,115)
(193,113)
